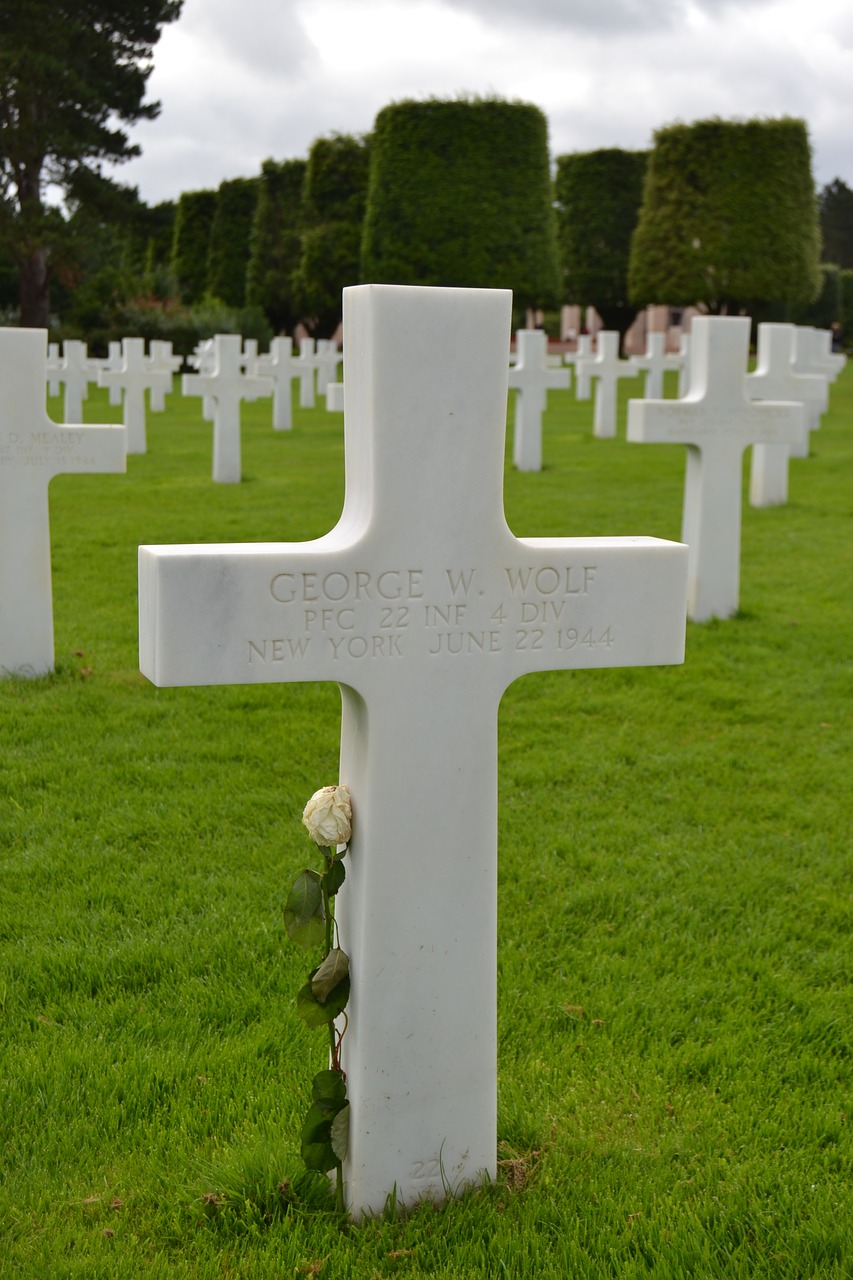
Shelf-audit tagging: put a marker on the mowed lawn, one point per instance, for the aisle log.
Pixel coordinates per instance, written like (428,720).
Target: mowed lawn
(675,932)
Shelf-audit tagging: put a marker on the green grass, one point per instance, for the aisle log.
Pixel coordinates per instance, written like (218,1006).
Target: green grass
(675,933)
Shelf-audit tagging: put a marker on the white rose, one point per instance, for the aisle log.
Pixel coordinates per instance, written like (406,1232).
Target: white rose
(328,816)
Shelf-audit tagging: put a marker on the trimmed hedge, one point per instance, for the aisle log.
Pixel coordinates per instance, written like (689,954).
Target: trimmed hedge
(460,195)
(334,198)
(835,204)
(274,242)
(729,217)
(193,220)
(228,250)
(846,283)
(598,202)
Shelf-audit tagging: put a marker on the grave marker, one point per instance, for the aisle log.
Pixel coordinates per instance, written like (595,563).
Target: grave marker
(531,377)
(578,359)
(113,363)
(307,367)
(654,363)
(806,361)
(34,449)
(424,607)
(774,379)
(161,358)
(75,373)
(281,367)
(328,358)
(134,378)
(716,422)
(223,389)
(606,368)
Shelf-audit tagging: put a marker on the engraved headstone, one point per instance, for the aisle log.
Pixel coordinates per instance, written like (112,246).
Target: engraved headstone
(34,449)
(774,379)
(134,378)
(531,378)
(654,363)
(223,389)
(424,607)
(716,422)
(605,368)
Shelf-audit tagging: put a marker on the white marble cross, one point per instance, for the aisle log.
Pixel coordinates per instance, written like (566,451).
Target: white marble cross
(161,357)
(654,363)
(75,373)
(606,368)
(774,379)
(424,607)
(281,366)
(578,359)
(717,422)
(54,368)
(34,449)
(307,368)
(328,358)
(134,378)
(223,389)
(112,362)
(807,361)
(825,358)
(531,378)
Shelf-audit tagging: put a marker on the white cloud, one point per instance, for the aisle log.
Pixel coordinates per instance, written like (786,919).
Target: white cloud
(240,82)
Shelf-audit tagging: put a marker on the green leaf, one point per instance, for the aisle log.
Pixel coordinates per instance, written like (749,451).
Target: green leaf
(319,1156)
(317,1013)
(304,916)
(334,877)
(316,1136)
(332,971)
(339,1133)
(329,1088)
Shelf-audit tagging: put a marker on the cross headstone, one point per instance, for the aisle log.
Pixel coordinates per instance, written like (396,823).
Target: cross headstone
(606,368)
(134,378)
(281,366)
(654,363)
(54,368)
(307,370)
(249,357)
(531,378)
(113,362)
(334,397)
(774,379)
(577,359)
(717,422)
(684,367)
(424,607)
(225,387)
(328,358)
(34,449)
(76,371)
(161,357)
(825,358)
(806,361)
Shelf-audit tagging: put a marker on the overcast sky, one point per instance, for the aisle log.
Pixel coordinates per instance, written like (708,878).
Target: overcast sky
(243,80)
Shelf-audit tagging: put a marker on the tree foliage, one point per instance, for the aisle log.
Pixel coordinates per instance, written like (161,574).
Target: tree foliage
(598,197)
(71,72)
(835,204)
(729,217)
(193,221)
(228,247)
(334,198)
(274,242)
(460,195)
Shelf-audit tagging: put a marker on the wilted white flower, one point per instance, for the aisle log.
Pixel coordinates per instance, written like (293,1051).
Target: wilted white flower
(328,816)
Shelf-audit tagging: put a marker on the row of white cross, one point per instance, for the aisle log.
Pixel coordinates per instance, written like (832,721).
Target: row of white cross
(424,607)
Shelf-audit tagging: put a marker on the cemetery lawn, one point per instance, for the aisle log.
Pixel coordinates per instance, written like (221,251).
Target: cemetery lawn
(675,940)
